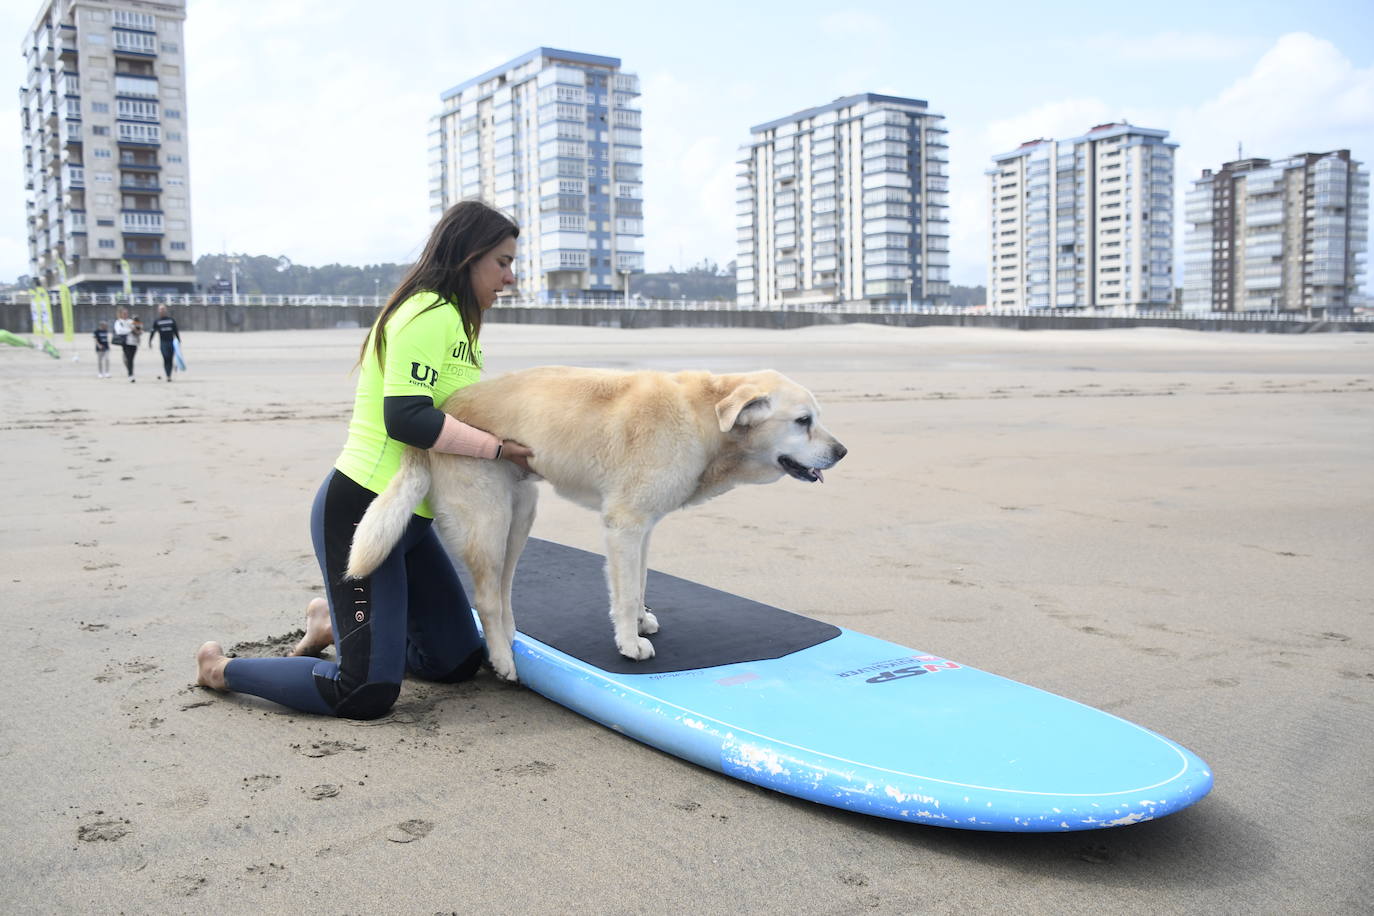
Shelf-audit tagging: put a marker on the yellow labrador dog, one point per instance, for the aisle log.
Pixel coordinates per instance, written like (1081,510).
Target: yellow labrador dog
(632,445)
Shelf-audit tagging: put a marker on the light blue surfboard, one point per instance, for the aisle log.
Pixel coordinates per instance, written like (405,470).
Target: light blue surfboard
(837,717)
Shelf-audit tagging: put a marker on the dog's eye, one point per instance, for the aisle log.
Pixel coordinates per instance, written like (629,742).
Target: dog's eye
(804,422)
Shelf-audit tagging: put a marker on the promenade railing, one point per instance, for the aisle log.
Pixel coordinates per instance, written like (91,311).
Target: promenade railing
(691,305)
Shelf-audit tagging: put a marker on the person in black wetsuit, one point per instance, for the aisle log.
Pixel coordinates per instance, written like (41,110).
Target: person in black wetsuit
(165,328)
(410,615)
(102,350)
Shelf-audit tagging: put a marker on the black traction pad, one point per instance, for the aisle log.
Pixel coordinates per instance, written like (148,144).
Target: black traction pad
(560,599)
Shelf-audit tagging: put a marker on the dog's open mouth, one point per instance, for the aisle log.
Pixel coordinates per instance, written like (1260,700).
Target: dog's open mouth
(801,472)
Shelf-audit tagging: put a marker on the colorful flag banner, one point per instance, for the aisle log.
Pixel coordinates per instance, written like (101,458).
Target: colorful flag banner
(128,280)
(64,297)
(40,310)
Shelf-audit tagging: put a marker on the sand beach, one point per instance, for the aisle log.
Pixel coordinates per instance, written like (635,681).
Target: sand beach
(1173,526)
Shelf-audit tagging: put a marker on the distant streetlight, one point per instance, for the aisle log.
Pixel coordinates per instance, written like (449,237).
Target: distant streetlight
(234,276)
(625,273)
(376,290)
(910,281)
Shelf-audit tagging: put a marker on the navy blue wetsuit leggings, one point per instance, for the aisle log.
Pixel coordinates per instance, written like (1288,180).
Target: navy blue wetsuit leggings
(411,615)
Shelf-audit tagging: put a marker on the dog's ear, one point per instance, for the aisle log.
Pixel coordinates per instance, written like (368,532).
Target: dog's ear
(744,406)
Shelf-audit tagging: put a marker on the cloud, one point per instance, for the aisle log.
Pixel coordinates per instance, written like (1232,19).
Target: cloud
(1168,47)
(1051,121)
(689,175)
(1301,95)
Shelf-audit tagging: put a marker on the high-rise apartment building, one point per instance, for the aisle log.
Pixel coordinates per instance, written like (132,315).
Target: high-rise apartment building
(552,138)
(1287,235)
(845,202)
(1083,222)
(103,108)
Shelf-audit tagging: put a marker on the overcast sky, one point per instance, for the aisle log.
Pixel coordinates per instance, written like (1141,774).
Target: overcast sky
(307,118)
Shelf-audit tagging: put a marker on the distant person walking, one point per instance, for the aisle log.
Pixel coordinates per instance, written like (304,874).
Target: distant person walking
(126,333)
(165,328)
(102,350)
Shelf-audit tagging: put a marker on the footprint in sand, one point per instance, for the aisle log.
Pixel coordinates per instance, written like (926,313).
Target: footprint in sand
(324,790)
(104,831)
(328,748)
(260,782)
(409,831)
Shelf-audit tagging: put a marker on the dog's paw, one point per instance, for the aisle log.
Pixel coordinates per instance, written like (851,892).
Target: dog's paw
(637,649)
(505,669)
(648,623)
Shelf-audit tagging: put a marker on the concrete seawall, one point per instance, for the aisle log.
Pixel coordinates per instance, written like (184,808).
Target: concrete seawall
(16,318)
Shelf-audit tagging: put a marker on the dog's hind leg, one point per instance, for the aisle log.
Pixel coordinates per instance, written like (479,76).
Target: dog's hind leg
(474,519)
(626,532)
(524,501)
(648,623)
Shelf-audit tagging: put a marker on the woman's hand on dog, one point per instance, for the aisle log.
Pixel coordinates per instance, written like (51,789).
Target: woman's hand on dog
(517,454)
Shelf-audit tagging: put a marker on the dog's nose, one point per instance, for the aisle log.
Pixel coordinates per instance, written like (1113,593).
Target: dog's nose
(838,452)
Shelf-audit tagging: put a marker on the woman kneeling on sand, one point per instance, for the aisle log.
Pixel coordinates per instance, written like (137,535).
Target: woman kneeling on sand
(411,613)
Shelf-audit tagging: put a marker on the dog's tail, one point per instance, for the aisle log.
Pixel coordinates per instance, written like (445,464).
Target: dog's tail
(386,519)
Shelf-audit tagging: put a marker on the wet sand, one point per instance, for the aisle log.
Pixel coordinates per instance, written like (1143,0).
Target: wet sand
(1169,525)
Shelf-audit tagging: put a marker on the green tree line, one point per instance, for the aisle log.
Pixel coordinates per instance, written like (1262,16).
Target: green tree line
(266,275)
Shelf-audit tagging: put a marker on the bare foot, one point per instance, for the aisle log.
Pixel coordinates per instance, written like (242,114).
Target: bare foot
(210,662)
(319,629)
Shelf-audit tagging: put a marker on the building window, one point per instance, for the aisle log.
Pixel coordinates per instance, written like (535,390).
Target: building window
(100,107)
(100,153)
(131,20)
(100,130)
(178,246)
(107,243)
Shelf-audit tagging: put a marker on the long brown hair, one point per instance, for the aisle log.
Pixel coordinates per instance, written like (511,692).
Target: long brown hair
(465,233)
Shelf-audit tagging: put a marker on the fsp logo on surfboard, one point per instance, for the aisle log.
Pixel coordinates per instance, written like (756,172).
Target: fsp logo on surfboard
(898,673)
(929,664)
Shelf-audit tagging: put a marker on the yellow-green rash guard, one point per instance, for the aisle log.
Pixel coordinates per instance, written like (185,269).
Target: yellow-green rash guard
(426,353)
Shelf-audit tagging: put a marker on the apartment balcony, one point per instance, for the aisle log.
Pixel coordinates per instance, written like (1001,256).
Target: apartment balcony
(885,288)
(141,222)
(140,183)
(134,44)
(139,134)
(563,260)
(135,85)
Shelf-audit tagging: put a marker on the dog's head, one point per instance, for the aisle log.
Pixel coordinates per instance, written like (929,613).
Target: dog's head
(778,426)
